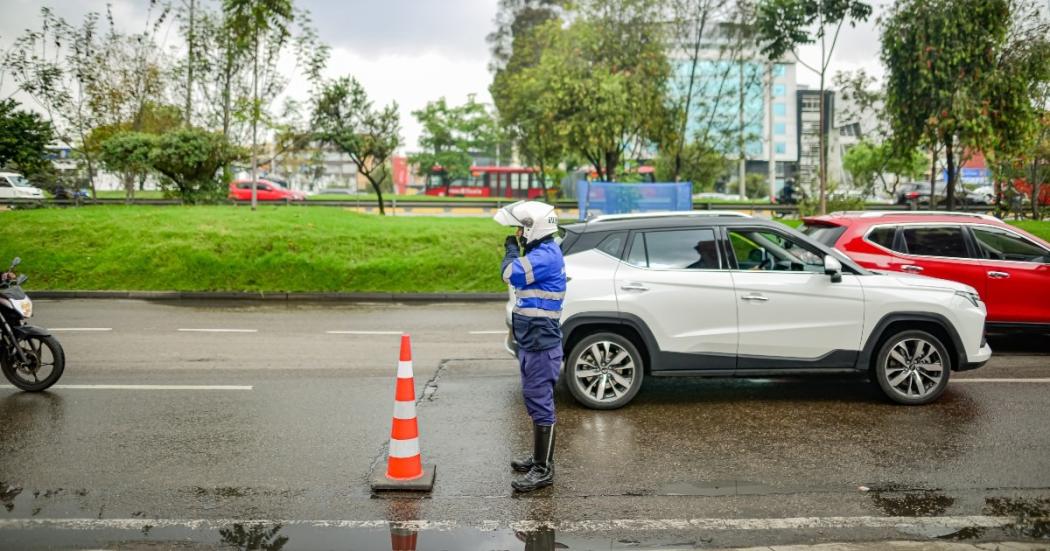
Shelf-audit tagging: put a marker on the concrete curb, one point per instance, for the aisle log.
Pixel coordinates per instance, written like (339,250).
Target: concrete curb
(299,297)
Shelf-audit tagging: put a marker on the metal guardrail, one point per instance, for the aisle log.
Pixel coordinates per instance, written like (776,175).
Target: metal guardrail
(446,204)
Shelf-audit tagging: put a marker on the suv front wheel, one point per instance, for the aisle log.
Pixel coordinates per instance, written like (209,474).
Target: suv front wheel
(912,367)
(604,371)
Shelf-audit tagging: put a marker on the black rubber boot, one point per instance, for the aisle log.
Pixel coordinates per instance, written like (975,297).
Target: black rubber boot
(522,465)
(542,472)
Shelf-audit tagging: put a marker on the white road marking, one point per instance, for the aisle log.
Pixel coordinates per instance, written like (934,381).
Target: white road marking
(219,330)
(364,332)
(81,329)
(743,524)
(1001,380)
(503,332)
(146,387)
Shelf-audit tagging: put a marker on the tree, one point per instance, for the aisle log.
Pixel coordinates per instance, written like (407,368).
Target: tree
(607,73)
(959,76)
(453,134)
(256,23)
(702,165)
(526,113)
(783,25)
(692,19)
(128,154)
(24,138)
(515,21)
(191,159)
(868,164)
(346,118)
(55,67)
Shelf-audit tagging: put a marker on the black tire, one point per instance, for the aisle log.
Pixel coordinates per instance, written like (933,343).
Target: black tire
(620,384)
(54,360)
(906,364)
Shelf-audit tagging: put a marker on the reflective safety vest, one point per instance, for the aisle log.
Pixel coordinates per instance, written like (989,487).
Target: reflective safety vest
(539,289)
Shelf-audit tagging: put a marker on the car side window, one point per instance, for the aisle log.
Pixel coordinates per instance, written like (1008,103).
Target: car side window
(997,244)
(883,236)
(637,255)
(4,182)
(612,245)
(772,251)
(944,241)
(682,250)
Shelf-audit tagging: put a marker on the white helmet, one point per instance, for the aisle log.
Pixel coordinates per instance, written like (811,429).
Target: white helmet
(538,219)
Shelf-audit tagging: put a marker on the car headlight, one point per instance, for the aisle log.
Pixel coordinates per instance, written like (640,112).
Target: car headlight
(973,298)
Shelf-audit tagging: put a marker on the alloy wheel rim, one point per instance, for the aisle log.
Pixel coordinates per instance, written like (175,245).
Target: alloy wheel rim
(605,371)
(914,368)
(38,362)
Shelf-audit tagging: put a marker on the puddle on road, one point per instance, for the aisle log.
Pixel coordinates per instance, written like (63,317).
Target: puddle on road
(275,537)
(925,503)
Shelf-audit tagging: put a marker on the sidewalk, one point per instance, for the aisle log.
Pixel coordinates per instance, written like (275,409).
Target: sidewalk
(906,546)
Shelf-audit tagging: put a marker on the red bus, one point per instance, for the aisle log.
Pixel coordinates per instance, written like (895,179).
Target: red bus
(511,182)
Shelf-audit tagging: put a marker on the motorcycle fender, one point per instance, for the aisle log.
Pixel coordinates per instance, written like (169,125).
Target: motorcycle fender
(30,331)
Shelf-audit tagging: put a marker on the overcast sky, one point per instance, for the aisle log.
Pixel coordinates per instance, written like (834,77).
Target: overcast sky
(411,51)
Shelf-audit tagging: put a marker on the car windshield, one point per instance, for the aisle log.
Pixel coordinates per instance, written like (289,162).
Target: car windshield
(826,235)
(19,181)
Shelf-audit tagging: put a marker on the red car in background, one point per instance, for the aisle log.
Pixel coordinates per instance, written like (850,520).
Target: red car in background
(265,190)
(1009,267)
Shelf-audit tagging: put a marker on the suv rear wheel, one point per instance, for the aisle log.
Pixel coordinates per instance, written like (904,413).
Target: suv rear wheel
(912,367)
(604,371)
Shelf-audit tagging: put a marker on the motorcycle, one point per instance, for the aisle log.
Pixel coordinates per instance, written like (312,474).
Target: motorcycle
(30,357)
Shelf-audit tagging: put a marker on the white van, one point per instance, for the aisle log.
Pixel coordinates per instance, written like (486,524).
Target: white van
(14,186)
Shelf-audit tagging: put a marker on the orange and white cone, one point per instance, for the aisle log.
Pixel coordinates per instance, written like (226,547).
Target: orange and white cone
(404,466)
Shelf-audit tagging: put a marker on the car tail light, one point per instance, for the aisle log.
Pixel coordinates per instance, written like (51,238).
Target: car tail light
(912,195)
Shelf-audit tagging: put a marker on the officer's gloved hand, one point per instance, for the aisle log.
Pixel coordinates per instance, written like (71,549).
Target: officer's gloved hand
(511,245)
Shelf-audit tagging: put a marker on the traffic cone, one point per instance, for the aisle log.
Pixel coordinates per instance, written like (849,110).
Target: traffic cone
(404,466)
(402,538)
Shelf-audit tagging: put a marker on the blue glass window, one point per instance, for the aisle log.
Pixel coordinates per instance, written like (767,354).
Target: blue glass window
(780,109)
(779,128)
(781,148)
(779,70)
(778,90)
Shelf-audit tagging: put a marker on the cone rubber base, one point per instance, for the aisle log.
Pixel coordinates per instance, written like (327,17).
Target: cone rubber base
(425,483)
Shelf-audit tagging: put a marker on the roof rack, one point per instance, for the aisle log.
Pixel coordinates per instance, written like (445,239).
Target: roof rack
(669,214)
(877,213)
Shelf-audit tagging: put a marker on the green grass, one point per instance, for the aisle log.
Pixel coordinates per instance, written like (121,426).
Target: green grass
(1038,229)
(149,194)
(275,249)
(223,248)
(371,198)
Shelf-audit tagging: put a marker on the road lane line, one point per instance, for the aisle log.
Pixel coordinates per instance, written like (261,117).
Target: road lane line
(81,329)
(218,330)
(1001,380)
(146,387)
(364,332)
(503,332)
(740,524)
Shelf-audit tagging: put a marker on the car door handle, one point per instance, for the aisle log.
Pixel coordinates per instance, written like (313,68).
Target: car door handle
(757,298)
(998,275)
(634,287)
(911,268)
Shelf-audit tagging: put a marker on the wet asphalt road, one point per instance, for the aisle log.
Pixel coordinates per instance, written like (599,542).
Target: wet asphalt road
(152,467)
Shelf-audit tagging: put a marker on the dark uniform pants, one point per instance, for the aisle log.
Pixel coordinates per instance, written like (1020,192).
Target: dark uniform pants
(539,373)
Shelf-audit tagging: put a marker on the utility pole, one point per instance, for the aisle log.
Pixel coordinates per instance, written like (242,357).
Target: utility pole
(189,68)
(743,146)
(769,132)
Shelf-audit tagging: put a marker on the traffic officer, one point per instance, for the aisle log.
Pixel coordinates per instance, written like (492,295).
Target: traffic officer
(538,277)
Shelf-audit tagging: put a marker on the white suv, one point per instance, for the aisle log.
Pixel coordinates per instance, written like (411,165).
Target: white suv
(745,297)
(14,186)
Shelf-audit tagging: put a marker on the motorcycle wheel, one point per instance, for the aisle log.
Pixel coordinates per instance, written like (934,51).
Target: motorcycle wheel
(44,366)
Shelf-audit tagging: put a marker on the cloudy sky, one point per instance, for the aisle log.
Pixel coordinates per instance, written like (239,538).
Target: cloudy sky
(411,51)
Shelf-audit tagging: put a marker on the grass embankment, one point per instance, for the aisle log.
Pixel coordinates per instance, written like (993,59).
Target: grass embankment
(233,249)
(275,249)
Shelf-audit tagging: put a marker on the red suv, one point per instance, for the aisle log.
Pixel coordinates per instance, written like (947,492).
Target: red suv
(1010,268)
(265,190)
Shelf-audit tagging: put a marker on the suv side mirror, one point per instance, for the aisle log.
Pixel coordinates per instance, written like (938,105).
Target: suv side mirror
(833,268)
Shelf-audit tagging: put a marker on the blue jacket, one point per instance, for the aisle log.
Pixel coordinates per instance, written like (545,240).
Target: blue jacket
(539,288)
